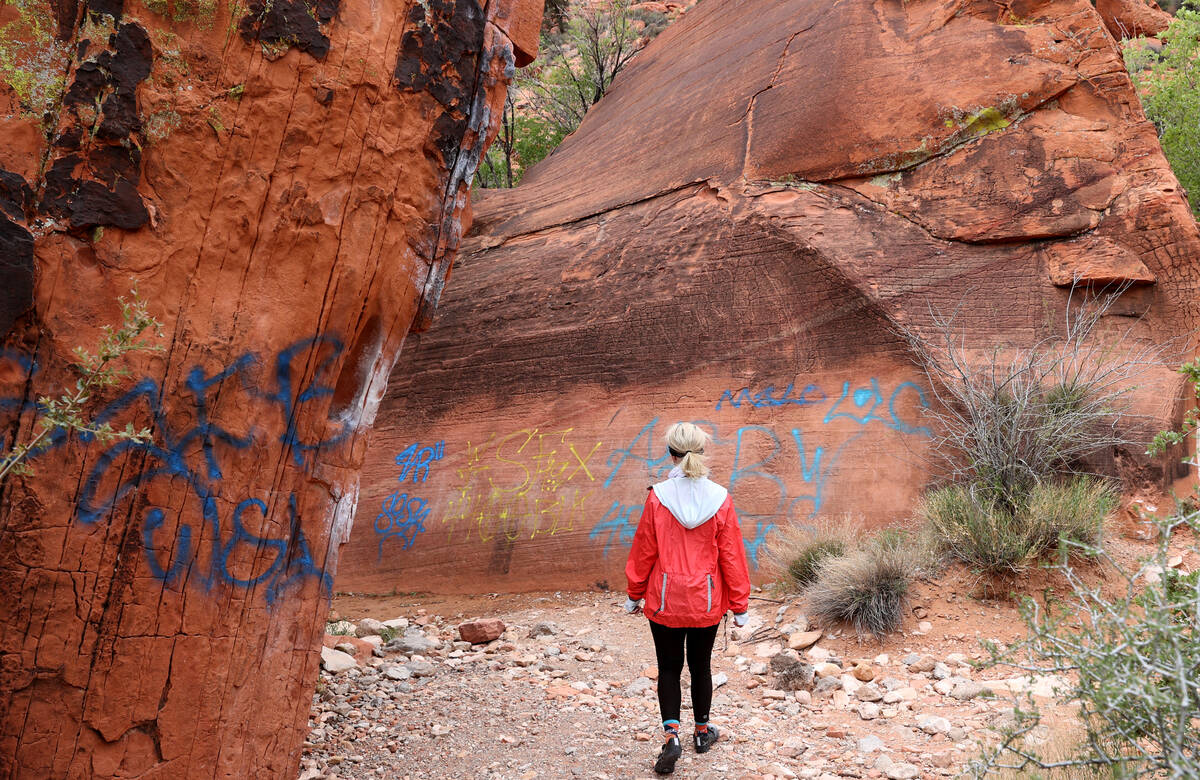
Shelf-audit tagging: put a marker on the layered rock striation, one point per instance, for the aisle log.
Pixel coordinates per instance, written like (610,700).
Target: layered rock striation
(284,182)
(735,235)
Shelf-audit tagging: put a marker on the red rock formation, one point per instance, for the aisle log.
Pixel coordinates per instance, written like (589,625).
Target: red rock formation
(285,183)
(732,236)
(1131,18)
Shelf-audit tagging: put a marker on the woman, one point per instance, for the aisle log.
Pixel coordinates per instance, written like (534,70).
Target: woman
(689,563)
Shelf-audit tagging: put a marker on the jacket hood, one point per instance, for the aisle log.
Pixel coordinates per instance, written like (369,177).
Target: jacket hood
(691,501)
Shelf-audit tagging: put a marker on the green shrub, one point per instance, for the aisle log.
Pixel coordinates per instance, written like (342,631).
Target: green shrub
(867,588)
(972,527)
(802,569)
(1169,85)
(970,523)
(1132,662)
(794,552)
(1074,510)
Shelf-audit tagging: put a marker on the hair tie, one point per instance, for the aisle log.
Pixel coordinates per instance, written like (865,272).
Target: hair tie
(676,453)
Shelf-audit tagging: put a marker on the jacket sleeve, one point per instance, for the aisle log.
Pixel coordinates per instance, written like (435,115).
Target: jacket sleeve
(643,554)
(732,554)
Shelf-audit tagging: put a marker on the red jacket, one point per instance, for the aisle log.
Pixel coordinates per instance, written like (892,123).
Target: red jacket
(688,576)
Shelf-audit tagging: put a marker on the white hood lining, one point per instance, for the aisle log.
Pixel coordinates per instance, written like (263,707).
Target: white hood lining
(691,501)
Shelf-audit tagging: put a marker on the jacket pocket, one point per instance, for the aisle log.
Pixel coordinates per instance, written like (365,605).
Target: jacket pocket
(687,594)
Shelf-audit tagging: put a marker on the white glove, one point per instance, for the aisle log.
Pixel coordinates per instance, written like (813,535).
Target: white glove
(740,619)
(631,605)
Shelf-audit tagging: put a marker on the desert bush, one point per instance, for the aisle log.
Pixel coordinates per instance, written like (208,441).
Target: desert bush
(1074,510)
(1133,661)
(794,552)
(975,526)
(1009,419)
(867,588)
(802,570)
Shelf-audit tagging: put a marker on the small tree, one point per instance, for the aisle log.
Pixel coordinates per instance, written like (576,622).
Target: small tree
(582,52)
(577,69)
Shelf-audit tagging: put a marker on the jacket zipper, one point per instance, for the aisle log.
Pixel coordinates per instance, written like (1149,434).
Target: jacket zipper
(710,584)
(662,602)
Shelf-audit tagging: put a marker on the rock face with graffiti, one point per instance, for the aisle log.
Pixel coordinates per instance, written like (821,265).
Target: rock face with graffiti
(284,183)
(740,246)
(557,505)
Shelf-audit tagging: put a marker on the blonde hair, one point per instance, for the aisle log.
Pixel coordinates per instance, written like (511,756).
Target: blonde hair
(690,440)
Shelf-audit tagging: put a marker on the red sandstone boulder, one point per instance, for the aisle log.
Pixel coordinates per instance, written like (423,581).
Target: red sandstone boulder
(285,182)
(734,236)
(362,648)
(479,631)
(1133,18)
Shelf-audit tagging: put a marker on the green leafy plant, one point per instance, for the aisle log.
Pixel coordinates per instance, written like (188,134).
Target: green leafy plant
(1169,84)
(1130,661)
(583,48)
(97,370)
(1167,439)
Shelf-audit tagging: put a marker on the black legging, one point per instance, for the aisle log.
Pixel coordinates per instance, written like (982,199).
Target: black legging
(668,646)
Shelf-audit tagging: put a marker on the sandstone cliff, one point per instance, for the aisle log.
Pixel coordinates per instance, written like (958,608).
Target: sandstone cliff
(285,182)
(732,236)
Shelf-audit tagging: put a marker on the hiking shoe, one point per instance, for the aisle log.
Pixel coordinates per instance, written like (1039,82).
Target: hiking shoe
(703,740)
(671,751)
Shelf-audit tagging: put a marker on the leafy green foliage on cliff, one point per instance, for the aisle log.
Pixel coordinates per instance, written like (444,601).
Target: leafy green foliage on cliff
(1169,83)
(583,48)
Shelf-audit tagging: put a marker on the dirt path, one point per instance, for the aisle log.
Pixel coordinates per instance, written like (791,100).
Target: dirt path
(578,700)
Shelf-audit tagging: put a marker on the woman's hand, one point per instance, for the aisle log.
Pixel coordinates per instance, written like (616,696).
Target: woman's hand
(633,607)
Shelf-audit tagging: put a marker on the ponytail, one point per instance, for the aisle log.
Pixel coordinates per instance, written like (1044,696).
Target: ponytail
(693,466)
(687,441)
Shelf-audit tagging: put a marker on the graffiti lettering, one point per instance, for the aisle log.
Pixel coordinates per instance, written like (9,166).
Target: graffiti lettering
(869,398)
(417,459)
(168,455)
(766,397)
(758,454)
(528,482)
(617,524)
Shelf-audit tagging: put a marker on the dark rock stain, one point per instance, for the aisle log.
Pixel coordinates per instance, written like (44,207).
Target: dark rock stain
(95,184)
(16,249)
(290,23)
(439,55)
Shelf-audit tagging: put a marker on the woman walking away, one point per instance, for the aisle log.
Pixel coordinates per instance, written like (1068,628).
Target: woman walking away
(689,564)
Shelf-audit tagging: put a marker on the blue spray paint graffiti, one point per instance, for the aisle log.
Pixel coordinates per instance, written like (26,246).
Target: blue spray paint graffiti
(870,398)
(757,453)
(766,397)
(618,524)
(403,516)
(232,560)
(416,459)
